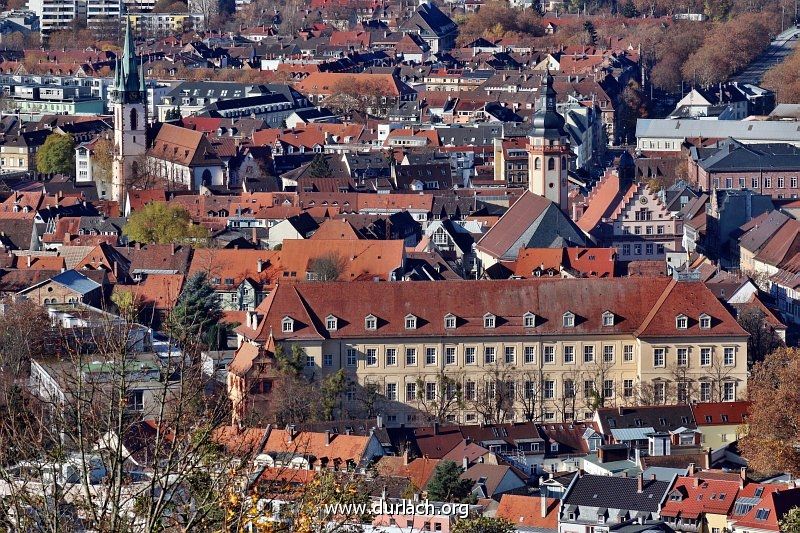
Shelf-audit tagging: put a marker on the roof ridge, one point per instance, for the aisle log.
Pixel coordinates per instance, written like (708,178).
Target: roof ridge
(661,299)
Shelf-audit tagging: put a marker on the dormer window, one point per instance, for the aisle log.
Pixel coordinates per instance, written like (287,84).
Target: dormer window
(450,321)
(489,320)
(287,324)
(411,322)
(568,319)
(371,323)
(681,322)
(331,323)
(529,320)
(705,321)
(608,318)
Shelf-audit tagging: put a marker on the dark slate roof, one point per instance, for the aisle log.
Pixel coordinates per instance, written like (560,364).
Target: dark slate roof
(660,417)
(733,156)
(76,281)
(439,173)
(236,103)
(616,493)
(304,224)
(429,17)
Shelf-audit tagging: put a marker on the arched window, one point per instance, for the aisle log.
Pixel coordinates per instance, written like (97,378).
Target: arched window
(134,119)
(551,163)
(206,179)
(537,163)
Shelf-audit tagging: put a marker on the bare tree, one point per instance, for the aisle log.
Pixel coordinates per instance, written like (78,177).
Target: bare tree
(328,267)
(528,394)
(440,397)
(105,391)
(494,395)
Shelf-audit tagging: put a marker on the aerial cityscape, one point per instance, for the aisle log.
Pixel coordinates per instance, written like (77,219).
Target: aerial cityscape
(398,266)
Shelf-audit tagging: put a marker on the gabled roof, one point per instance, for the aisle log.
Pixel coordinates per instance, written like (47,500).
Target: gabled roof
(720,413)
(612,492)
(531,222)
(692,497)
(526,511)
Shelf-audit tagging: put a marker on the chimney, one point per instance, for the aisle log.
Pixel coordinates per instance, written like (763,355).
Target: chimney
(379,421)
(464,462)
(290,432)
(405,458)
(601,455)
(172,248)
(640,483)
(115,269)
(543,504)
(436,428)
(621,410)
(690,471)
(742,477)
(29,261)
(260,266)
(327,437)
(708,458)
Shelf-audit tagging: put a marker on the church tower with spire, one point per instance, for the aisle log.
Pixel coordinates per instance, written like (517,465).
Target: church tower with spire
(128,98)
(548,149)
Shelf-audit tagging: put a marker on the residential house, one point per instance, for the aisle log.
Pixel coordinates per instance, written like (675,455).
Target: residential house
(241,278)
(492,481)
(301,226)
(536,514)
(698,504)
(634,426)
(760,507)
(720,423)
(433,26)
(593,502)
(68,287)
(339,259)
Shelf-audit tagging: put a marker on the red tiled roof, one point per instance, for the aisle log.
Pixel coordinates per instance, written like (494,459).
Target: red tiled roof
(710,414)
(646,307)
(777,499)
(527,511)
(700,496)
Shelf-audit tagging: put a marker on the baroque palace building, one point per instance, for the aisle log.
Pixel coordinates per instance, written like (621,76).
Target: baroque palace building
(487,351)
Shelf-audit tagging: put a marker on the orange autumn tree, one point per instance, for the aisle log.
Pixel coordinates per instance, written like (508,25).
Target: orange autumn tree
(772,443)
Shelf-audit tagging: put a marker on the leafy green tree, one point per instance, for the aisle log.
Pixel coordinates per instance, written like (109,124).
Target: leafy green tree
(291,363)
(319,167)
(56,155)
(790,523)
(483,524)
(446,486)
(332,388)
(629,10)
(161,223)
(196,312)
(590,33)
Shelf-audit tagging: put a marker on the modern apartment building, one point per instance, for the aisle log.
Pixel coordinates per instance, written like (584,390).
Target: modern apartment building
(542,349)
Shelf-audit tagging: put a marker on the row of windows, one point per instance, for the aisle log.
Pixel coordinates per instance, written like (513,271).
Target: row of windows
(649,249)
(649,229)
(430,355)
(705,356)
(529,390)
(755,182)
